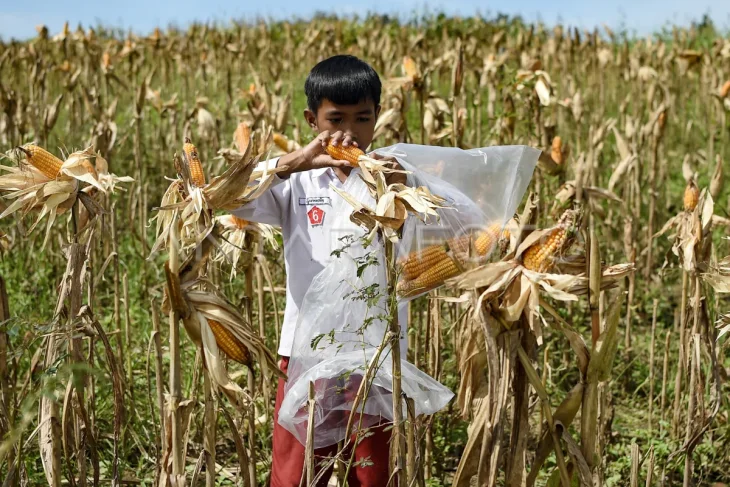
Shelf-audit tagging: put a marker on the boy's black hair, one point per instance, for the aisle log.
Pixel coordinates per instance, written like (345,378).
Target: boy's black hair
(342,79)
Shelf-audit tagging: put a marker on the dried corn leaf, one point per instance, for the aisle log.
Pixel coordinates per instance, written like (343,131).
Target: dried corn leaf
(563,415)
(621,169)
(242,137)
(391,209)
(78,167)
(599,367)
(719,283)
(623,147)
(584,472)
(687,171)
(577,343)
(515,299)
(543,92)
(468,463)
(486,276)
(472,361)
(420,201)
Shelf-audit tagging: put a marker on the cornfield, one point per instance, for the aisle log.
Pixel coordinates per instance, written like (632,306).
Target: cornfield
(586,342)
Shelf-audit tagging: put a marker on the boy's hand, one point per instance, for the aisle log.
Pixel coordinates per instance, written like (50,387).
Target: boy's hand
(314,155)
(317,153)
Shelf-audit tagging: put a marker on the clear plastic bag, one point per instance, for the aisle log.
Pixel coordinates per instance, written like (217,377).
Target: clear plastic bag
(342,322)
(483,188)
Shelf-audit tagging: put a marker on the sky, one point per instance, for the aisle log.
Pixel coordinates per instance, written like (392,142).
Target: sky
(19,18)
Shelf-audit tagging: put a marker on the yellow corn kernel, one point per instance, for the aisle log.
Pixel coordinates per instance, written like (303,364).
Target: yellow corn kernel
(417,262)
(691,195)
(540,256)
(431,278)
(42,160)
(349,154)
(194,165)
(230,345)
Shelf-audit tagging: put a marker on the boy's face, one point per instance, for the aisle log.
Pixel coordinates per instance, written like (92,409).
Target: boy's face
(357,120)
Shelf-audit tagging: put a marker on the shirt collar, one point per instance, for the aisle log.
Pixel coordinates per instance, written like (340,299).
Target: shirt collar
(323,176)
(319,171)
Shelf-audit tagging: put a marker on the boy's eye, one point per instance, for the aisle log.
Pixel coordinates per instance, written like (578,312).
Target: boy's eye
(334,120)
(363,119)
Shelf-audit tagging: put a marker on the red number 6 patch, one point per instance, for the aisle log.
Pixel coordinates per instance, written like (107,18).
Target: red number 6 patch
(316,216)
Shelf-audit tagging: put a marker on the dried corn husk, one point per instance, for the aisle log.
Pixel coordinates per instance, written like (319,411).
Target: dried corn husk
(31,190)
(393,201)
(233,236)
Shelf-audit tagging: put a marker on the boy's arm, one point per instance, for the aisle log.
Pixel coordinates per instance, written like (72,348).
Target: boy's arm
(314,155)
(269,207)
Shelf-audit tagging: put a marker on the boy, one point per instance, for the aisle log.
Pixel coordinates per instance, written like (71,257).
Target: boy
(343,100)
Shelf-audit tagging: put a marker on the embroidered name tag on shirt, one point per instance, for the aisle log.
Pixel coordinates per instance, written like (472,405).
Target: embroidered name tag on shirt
(315,200)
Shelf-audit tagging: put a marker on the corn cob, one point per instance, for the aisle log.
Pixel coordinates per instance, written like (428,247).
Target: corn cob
(194,165)
(411,69)
(556,151)
(486,241)
(230,345)
(433,277)
(415,263)
(281,142)
(539,257)
(725,90)
(418,263)
(460,245)
(691,195)
(483,244)
(43,160)
(349,154)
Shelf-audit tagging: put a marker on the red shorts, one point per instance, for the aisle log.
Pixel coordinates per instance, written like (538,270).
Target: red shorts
(287,466)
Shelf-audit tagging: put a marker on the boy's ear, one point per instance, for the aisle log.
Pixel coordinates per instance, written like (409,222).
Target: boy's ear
(377,111)
(311,118)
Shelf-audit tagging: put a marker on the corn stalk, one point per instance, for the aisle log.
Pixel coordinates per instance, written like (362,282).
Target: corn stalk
(178,453)
(398,442)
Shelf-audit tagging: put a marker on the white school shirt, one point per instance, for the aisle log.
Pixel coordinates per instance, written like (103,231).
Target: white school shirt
(302,205)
